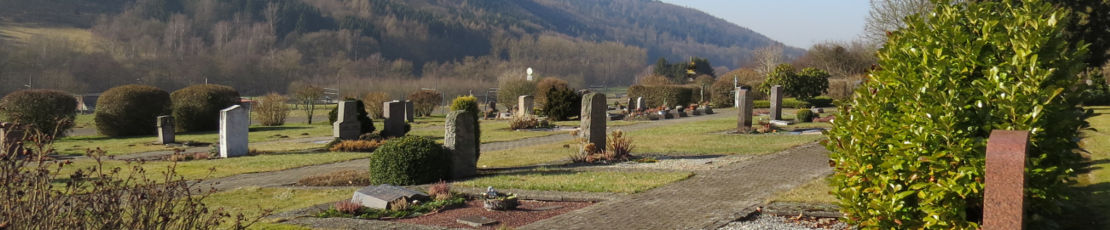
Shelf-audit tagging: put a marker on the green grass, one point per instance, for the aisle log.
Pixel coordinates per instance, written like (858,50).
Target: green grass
(127,145)
(498,130)
(1094,186)
(250,201)
(218,168)
(569,181)
(816,191)
(525,156)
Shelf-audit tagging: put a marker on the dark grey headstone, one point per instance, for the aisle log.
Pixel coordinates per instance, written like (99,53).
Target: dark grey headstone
(744,115)
(234,126)
(410,111)
(593,119)
(629,105)
(346,126)
(681,111)
(459,138)
(707,109)
(476,221)
(776,102)
(165,130)
(380,196)
(394,112)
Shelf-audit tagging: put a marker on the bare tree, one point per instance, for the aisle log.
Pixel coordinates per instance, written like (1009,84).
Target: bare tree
(307,94)
(890,15)
(765,59)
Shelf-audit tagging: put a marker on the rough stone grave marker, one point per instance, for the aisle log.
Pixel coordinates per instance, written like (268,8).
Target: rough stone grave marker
(776,102)
(234,126)
(593,120)
(347,126)
(410,111)
(744,115)
(476,221)
(1004,183)
(524,104)
(165,130)
(394,113)
(459,138)
(380,196)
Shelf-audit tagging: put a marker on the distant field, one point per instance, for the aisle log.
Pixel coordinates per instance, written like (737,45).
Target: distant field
(82,38)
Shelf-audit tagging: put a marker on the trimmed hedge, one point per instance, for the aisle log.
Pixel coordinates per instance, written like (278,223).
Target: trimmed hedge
(655,95)
(366,124)
(795,103)
(130,110)
(197,108)
(409,160)
(911,154)
(48,111)
(562,104)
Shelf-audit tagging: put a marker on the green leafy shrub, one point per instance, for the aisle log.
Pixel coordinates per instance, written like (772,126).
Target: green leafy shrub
(909,147)
(130,110)
(424,101)
(804,115)
(409,160)
(511,88)
(366,125)
(470,104)
(546,85)
(721,95)
(562,104)
(271,109)
(197,108)
(786,103)
(656,95)
(48,111)
(804,85)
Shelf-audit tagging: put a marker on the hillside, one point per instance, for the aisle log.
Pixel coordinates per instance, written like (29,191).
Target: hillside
(173,43)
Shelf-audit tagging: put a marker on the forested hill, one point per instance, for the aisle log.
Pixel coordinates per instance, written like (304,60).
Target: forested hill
(181,42)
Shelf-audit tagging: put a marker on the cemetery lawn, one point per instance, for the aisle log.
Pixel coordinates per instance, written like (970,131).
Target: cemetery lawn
(250,201)
(498,130)
(816,191)
(570,181)
(201,169)
(127,145)
(1094,186)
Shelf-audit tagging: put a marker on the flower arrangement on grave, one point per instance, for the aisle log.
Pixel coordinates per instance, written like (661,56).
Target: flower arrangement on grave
(498,201)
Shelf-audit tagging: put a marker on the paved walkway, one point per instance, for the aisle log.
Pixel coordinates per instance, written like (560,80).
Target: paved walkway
(708,200)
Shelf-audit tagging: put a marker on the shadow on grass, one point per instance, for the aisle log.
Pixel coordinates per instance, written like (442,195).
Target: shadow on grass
(274,128)
(1089,208)
(570,166)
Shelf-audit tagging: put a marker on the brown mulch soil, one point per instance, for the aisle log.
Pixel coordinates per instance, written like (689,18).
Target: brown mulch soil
(523,215)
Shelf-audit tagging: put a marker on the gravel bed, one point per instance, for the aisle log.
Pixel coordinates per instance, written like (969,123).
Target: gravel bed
(775,222)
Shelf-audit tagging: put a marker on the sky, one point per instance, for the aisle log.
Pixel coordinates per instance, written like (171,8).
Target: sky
(798,23)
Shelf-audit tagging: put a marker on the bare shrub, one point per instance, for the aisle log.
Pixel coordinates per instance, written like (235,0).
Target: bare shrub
(356,146)
(619,146)
(440,191)
(347,207)
(373,102)
(271,109)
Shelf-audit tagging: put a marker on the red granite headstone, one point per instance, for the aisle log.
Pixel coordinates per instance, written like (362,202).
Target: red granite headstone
(1005,180)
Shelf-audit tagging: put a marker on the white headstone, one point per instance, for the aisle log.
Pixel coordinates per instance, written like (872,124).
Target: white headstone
(234,126)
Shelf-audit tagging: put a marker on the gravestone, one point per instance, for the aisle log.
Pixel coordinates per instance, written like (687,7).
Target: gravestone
(476,221)
(707,109)
(744,115)
(524,104)
(234,126)
(394,113)
(776,102)
(165,130)
(459,138)
(380,196)
(666,113)
(629,104)
(593,119)
(736,100)
(410,111)
(640,104)
(695,111)
(681,110)
(347,126)
(1004,183)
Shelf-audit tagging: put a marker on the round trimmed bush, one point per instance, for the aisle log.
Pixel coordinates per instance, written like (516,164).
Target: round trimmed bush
(409,160)
(48,111)
(804,115)
(562,104)
(197,108)
(130,110)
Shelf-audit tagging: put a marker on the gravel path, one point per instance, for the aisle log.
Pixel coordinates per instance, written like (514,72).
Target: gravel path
(708,200)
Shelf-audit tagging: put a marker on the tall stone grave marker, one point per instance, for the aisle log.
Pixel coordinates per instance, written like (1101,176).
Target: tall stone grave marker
(736,100)
(640,104)
(410,111)
(593,119)
(234,126)
(630,107)
(776,102)
(347,126)
(459,138)
(744,117)
(1004,183)
(394,113)
(524,103)
(165,130)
